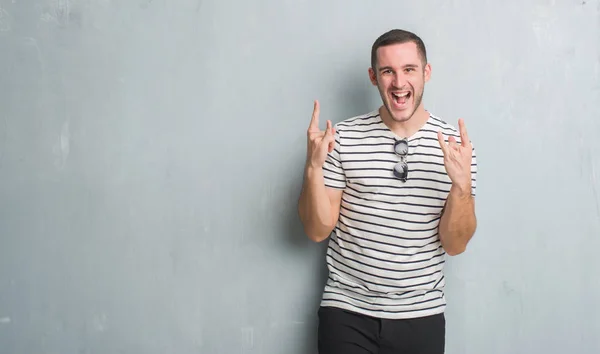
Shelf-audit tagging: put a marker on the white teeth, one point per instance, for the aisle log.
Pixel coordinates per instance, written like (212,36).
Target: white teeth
(404,94)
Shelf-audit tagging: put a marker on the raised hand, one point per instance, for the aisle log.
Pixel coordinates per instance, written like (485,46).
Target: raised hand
(457,158)
(319,142)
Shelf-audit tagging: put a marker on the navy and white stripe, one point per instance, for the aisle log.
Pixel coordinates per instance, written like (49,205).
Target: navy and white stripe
(384,257)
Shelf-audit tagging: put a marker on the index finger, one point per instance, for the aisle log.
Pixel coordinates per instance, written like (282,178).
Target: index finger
(464,138)
(314,122)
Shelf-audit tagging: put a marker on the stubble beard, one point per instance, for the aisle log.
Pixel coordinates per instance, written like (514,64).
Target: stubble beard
(417,103)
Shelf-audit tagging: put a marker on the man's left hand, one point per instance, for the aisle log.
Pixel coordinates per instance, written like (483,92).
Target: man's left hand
(457,158)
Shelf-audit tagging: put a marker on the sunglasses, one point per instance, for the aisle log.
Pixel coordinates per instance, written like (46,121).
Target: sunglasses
(401,168)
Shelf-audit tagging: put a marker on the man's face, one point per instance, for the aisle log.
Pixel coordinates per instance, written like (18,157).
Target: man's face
(400,77)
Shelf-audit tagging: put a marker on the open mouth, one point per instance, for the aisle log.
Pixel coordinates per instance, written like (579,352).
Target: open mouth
(400,98)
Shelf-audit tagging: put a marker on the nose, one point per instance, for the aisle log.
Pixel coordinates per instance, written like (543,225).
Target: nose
(399,80)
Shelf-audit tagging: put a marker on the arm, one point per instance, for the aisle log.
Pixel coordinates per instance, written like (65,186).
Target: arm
(324,180)
(458,222)
(319,206)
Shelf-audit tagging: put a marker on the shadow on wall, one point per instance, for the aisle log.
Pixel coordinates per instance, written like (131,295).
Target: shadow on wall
(352,99)
(314,253)
(358,96)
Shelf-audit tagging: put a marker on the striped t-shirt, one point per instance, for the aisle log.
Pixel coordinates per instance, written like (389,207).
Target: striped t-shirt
(384,257)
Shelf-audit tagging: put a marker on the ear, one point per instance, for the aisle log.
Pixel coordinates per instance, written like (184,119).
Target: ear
(372,76)
(427,72)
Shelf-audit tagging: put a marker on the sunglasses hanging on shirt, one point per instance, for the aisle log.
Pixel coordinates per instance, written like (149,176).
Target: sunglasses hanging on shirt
(401,168)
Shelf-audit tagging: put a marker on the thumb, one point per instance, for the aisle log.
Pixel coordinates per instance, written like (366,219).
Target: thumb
(443,144)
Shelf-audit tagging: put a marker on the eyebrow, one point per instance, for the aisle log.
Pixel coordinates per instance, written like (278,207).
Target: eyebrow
(404,67)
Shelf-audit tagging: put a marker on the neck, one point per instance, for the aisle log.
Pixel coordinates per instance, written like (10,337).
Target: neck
(408,127)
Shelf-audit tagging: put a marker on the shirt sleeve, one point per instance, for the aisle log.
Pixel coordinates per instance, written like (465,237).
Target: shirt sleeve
(473,172)
(333,171)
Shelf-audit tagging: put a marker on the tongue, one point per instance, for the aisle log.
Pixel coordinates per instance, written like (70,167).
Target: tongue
(401,100)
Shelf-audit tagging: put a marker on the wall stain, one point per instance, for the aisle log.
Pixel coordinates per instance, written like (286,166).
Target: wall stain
(146,3)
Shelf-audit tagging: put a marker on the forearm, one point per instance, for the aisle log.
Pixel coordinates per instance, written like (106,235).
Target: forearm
(458,222)
(314,205)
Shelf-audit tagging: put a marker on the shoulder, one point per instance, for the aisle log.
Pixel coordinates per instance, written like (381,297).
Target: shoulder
(362,120)
(440,124)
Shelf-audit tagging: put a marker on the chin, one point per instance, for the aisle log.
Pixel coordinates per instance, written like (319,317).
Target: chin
(401,116)
(402,119)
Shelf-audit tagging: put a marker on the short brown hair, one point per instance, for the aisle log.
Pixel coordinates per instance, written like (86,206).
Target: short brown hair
(397,36)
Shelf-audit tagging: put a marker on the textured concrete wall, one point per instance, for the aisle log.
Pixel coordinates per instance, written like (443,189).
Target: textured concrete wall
(151,154)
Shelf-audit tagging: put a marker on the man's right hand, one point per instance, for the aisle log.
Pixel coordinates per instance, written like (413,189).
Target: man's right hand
(319,206)
(320,143)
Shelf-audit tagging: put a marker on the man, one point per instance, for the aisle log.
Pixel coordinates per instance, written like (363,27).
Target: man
(396,186)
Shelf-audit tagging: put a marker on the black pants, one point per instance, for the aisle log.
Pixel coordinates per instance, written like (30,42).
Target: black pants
(345,332)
